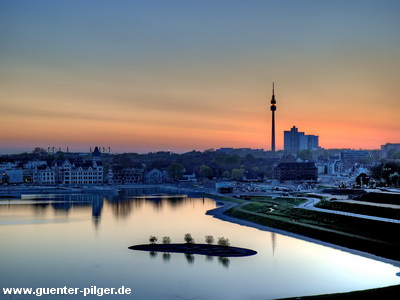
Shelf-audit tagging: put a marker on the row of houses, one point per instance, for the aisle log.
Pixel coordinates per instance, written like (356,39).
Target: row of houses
(83,172)
(120,175)
(78,172)
(91,172)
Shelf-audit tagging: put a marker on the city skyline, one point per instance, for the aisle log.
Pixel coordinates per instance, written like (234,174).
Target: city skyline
(192,75)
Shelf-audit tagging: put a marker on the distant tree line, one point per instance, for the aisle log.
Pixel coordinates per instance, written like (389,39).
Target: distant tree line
(205,165)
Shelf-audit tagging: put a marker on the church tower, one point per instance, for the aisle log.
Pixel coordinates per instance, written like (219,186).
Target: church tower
(273,109)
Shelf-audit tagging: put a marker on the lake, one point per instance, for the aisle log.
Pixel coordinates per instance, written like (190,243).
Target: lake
(81,241)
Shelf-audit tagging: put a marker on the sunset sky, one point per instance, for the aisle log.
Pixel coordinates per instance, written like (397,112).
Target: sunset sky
(141,76)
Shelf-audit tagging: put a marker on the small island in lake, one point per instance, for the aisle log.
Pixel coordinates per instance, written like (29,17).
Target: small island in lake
(202,249)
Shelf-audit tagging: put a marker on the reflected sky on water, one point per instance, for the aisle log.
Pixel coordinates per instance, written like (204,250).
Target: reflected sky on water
(82,240)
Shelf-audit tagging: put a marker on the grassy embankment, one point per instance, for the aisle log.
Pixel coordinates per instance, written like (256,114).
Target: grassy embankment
(375,237)
(377,211)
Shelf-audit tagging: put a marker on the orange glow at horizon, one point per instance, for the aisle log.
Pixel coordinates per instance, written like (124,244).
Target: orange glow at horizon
(172,131)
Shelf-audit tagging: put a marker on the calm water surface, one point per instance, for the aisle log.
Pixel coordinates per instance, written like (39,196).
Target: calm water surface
(82,241)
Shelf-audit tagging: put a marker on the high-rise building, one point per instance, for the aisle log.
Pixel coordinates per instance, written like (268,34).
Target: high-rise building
(294,140)
(291,139)
(312,141)
(273,109)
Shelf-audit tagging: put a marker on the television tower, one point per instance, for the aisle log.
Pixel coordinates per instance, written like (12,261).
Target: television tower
(273,109)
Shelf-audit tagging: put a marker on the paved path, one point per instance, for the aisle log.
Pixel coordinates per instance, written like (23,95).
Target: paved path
(309,204)
(370,203)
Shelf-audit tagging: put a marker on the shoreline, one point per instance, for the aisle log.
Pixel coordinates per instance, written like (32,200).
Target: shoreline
(18,191)
(218,213)
(388,292)
(201,249)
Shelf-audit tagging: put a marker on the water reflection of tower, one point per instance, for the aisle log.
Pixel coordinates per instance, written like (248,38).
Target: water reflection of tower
(273,109)
(97,207)
(273,238)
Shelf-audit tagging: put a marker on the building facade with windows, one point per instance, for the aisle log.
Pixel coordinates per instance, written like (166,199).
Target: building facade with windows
(44,175)
(79,172)
(295,141)
(296,171)
(389,149)
(120,175)
(155,176)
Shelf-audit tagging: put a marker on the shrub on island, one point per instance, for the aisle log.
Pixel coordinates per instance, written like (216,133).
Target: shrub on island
(223,242)
(153,239)
(189,239)
(209,239)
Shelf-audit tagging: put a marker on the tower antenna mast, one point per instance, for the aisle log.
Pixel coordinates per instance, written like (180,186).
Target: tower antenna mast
(273,109)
